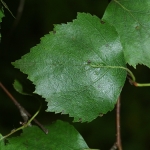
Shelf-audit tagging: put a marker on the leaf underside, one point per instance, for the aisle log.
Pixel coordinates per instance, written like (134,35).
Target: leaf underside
(132,22)
(61,136)
(18,87)
(61,67)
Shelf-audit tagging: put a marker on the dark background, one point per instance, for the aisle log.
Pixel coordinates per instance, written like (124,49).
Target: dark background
(37,19)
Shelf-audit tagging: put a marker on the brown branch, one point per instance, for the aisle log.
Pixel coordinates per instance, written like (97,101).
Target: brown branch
(24,113)
(117,144)
(118,138)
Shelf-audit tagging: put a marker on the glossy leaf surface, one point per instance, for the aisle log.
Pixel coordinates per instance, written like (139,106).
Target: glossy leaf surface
(77,68)
(132,22)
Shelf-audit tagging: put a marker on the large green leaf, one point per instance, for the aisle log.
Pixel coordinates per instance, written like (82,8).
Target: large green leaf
(61,136)
(75,68)
(132,21)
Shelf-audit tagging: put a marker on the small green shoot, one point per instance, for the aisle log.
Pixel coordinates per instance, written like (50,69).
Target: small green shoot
(5,5)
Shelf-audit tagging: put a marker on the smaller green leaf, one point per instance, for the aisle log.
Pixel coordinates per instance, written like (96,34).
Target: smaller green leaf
(132,22)
(18,87)
(1,143)
(1,16)
(62,136)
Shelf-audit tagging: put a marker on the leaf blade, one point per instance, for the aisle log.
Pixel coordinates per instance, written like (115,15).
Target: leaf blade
(63,73)
(62,135)
(19,88)
(132,22)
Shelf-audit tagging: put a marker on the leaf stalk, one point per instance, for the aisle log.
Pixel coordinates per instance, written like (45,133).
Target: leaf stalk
(132,80)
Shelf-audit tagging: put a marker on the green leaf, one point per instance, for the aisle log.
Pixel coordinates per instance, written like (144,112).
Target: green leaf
(1,13)
(132,21)
(18,87)
(1,142)
(61,136)
(1,16)
(77,68)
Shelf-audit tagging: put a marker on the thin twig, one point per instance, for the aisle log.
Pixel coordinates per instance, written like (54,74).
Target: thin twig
(19,13)
(118,138)
(22,127)
(117,144)
(18,17)
(24,113)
